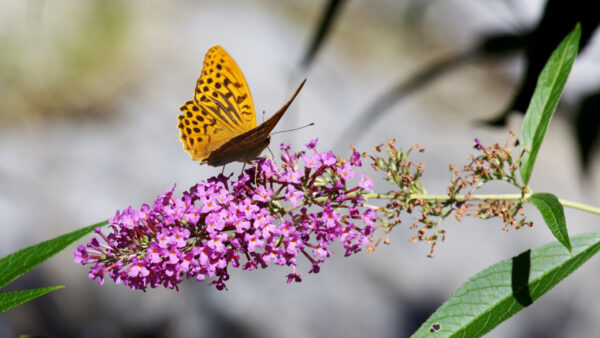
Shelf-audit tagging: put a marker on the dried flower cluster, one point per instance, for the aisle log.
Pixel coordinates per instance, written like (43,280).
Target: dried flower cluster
(405,175)
(493,163)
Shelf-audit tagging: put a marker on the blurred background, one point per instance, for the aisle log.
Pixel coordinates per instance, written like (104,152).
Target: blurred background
(89,96)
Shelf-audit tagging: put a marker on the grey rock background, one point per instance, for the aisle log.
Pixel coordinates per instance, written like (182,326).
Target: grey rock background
(119,146)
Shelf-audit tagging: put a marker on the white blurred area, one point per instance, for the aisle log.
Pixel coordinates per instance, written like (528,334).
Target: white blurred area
(89,127)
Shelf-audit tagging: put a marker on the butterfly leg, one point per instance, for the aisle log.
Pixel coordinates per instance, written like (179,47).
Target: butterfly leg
(255,172)
(223,170)
(243,168)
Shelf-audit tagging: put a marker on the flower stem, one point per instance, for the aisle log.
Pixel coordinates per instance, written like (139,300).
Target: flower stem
(580,206)
(475,197)
(462,198)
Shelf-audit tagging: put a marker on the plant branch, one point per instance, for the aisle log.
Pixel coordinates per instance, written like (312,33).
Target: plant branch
(475,197)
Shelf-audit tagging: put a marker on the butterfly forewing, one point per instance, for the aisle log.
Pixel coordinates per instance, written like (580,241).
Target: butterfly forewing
(222,107)
(223,89)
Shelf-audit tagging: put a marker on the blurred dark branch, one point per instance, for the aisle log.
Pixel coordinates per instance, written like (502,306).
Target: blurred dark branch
(587,123)
(382,103)
(557,21)
(330,13)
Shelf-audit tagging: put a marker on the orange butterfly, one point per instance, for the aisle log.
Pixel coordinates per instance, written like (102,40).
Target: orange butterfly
(219,125)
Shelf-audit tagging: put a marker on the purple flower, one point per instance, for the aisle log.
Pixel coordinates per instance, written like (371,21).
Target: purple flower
(81,255)
(179,237)
(155,253)
(365,183)
(292,176)
(355,159)
(163,238)
(312,144)
(348,235)
(264,223)
(254,241)
(331,218)
(138,269)
(268,169)
(241,225)
(477,144)
(262,194)
(248,208)
(217,242)
(313,161)
(328,159)
(293,195)
(192,216)
(296,277)
(227,215)
(209,203)
(321,251)
(224,197)
(286,228)
(369,217)
(346,171)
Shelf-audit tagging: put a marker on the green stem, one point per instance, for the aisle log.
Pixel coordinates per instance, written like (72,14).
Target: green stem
(580,206)
(462,198)
(458,198)
(475,197)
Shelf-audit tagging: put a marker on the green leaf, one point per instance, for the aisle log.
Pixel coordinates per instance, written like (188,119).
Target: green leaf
(554,215)
(505,288)
(8,300)
(545,98)
(17,263)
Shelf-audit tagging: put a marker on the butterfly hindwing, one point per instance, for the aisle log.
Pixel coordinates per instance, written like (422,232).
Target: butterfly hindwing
(249,145)
(200,132)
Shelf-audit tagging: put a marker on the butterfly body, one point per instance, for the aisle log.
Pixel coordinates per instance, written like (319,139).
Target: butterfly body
(219,125)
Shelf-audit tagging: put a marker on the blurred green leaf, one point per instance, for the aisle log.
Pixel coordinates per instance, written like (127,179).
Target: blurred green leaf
(553,213)
(505,288)
(17,263)
(8,300)
(548,90)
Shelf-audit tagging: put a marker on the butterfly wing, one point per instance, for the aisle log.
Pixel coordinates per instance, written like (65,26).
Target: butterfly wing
(222,107)
(247,146)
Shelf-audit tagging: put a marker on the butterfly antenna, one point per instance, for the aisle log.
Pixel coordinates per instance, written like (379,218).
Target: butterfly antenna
(285,131)
(264,112)
(272,155)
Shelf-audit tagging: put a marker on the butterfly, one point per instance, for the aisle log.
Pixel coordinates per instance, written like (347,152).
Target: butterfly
(218,125)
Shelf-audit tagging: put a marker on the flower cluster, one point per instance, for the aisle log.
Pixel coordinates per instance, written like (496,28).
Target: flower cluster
(270,215)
